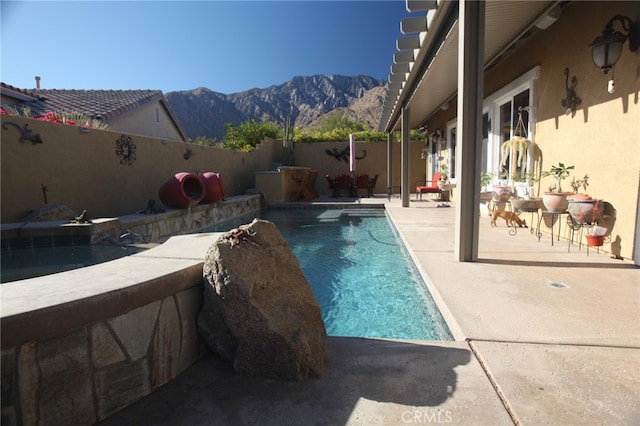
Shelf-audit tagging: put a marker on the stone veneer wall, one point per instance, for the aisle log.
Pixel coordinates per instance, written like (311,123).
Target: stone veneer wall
(77,356)
(87,374)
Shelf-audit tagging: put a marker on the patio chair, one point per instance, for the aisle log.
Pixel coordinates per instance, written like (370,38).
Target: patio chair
(342,183)
(361,182)
(332,184)
(372,185)
(429,187)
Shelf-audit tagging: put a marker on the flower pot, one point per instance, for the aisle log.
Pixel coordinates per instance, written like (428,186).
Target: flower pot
(485,196)
(181,191)
(501,194)
(595,240)
(555,202)
(213,187)
(581,208)
(527,205)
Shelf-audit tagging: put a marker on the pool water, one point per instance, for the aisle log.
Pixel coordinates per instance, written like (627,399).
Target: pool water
(20,264)
(362,276)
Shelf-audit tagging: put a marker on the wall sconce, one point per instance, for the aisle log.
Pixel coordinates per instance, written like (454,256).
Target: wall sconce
(607,47)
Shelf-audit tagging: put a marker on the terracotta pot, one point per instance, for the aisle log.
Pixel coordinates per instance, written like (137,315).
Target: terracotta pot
(182,190)
(581,208)
(555,202)
(213,187)
(527,205)
(595,240)
(501,194)
(485,196)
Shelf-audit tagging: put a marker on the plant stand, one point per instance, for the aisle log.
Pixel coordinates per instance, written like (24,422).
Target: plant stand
(554,216)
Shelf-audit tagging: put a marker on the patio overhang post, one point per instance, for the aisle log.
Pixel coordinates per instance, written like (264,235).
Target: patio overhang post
(389,161)
(470,92)
(404,165)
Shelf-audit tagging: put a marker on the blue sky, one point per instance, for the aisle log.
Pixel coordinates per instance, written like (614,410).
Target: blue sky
(226,46)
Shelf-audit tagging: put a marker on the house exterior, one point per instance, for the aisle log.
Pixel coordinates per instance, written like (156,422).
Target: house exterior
(138,112)
(467,71)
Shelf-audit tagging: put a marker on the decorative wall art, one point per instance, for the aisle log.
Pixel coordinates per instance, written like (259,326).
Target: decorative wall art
(126,150)
(26,134)
(344,154)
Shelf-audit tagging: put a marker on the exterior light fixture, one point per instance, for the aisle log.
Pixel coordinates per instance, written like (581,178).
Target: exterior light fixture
(607,47)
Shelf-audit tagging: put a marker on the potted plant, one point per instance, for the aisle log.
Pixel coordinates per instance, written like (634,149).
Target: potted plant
(555,200)
(444,175)
(580,205)
(524,188)
(501,192)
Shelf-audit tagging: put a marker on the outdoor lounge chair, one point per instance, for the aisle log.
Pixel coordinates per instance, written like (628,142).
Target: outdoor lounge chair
(430,187)
(361,182)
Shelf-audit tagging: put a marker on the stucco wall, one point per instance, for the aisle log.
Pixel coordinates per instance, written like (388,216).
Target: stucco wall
(601,138)
(82,170)
(150,120)
(315,155)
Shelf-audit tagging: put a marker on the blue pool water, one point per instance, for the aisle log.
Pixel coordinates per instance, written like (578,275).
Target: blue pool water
(23,263)
(362,276)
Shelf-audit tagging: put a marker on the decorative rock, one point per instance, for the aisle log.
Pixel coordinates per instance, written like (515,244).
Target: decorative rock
(259,311)
(51,211)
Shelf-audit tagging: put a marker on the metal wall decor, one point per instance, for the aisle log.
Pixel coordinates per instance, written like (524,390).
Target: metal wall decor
(571,102)
(126,150)
(26,134)
(344,154)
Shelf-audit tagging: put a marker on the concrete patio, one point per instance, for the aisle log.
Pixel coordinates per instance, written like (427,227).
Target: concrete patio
(543,336)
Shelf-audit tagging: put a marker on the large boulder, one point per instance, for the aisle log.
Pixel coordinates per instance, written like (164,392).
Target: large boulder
(259,311)
(51,211)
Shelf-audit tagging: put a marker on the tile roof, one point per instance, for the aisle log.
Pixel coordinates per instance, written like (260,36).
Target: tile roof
(100,104)
(13,91)
(104,105)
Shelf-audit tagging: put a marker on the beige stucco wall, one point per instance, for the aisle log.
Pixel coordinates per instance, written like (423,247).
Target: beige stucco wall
(601,138)
(315,155)
(82,171)
(151,120)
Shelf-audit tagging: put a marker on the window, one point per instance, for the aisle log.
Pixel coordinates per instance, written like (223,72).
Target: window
(502,109)
(451,148)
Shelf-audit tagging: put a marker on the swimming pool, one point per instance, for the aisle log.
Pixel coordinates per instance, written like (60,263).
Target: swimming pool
(23,263)
(362,276)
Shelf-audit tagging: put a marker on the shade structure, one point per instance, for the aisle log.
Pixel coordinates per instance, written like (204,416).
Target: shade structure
(352,153)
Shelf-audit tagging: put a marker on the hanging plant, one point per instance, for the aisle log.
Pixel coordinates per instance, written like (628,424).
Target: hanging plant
(518,145)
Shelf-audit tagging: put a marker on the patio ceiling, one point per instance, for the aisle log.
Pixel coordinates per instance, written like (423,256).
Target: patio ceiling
(432,79)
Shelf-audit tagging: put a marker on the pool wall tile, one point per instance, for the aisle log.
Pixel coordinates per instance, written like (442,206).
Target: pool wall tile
(105,350)
(87,350)
(135,329)
(166,344)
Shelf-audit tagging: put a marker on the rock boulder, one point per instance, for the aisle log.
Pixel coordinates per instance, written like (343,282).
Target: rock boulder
(259,311)
(51,211)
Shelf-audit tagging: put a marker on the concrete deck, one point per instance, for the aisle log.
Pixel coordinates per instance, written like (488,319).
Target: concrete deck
(543,336)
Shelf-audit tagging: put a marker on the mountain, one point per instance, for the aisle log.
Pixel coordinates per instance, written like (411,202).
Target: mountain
(203,112)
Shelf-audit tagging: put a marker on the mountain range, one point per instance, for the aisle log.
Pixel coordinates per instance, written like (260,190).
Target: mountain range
(203,112)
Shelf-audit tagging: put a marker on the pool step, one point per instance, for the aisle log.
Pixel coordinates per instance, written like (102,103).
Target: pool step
(364,212)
